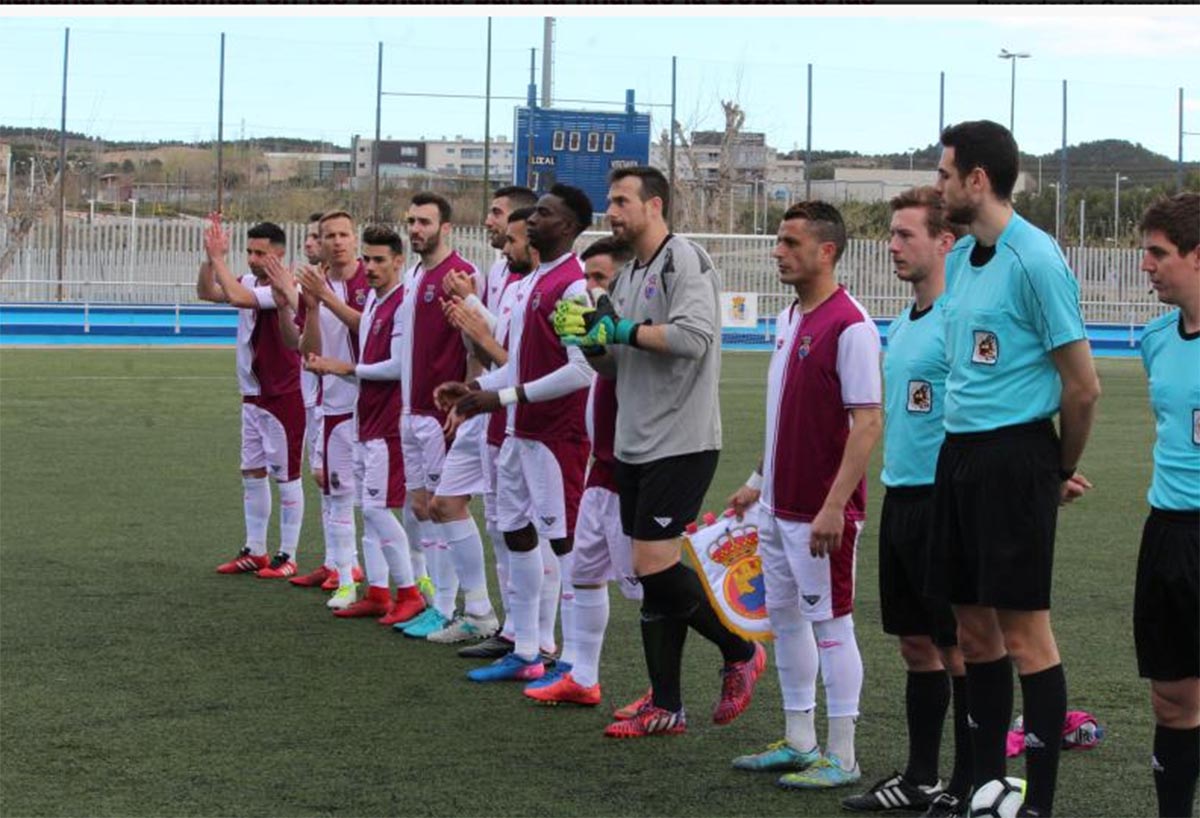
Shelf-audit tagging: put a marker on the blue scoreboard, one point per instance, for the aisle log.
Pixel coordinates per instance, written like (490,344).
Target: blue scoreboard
(578,148)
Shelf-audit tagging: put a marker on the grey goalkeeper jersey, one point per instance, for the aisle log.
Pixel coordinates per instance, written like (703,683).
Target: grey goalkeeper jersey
(668,403)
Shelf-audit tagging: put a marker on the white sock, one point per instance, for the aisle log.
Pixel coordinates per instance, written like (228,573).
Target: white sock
(587,634)
(291,515)
(466,550)
(330,547)
(500,549)
(339,528)
(795,658)
(441,569)
(548,601)
(256,502)
(842,675)
(800,729)
(566,567)
(416,554)
(525,580)
(373,558)
(394,544)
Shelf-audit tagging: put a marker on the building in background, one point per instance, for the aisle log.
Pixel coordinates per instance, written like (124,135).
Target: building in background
(458,157)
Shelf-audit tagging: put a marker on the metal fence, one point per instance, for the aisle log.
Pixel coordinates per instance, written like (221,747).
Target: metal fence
(155,262)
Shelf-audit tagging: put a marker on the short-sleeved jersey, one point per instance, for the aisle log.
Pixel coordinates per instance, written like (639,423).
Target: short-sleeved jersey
(434,350)
(511,298)
(914,380)
(1002,321)
(265,365)
(378,409)
(669,403)
(1172,361)
(825,363)
(339,395)
(602,428)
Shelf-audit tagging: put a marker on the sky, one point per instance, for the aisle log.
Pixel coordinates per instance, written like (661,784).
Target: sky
(152,73)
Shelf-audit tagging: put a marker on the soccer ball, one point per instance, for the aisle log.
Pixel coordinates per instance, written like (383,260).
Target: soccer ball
(998,798)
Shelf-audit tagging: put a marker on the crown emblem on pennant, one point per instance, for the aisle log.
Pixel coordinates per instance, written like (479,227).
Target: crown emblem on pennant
(738,544)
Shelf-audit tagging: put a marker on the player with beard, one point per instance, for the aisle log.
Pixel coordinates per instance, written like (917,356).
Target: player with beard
(1018,354)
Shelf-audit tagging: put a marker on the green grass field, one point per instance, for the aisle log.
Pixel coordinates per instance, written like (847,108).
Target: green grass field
(136,681)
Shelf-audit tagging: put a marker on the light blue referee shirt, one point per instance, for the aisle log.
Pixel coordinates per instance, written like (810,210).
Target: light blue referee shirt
(1172,362)
(914,378)
(1002,320)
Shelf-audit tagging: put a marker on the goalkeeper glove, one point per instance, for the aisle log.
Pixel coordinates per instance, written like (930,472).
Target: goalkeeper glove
(578,323)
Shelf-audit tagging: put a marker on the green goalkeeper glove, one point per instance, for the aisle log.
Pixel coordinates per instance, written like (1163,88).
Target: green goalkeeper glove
(578,323)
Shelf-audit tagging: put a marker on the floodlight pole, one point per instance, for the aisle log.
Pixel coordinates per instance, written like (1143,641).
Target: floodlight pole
(671,148)
(375,149)
(221,132)
(62,170)
(1012,57)
(487,125)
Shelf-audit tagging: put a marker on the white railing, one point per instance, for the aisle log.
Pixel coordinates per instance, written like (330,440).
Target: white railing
(155,261)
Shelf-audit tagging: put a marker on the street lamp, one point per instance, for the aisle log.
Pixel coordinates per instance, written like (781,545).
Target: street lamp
(1117,206)
(1012,57)
(911,151)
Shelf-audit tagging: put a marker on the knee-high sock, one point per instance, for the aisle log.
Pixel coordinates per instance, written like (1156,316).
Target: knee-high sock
(926,698)
(665,612)
(256,503)
(330,562)
(525,581)
(373,559)
(688,594)
(1176,764)
(466,550)
(1045,697)
(566,566)
(549,593)
(990,692)
(587,635)
(394,544)
(798,664)
(961,778)
(500,549)
(339,524)
(441,569)
(291,515)
(416,554)
(842,675)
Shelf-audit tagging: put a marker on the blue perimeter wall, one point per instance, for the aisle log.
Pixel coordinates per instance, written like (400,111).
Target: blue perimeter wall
(126,325)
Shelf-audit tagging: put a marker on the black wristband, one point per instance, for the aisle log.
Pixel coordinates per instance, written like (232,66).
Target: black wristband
(1065,474)
(633,336)
(593,351)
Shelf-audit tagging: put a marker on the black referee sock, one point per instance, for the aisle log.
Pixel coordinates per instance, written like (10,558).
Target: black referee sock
(990,691)
(1176,766)
(960,779)
(705,620)
(664,630)
(926,697)
(1045,700)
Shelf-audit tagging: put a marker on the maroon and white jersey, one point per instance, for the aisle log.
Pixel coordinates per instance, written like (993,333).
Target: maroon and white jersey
(378,409)
(602,429)
(340,394)
(310,388)
(825,363)
(265,365)
(434,352)
(510,298)
(497,279)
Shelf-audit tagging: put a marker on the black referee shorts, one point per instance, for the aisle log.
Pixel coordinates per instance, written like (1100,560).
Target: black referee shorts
(659,498)
(1166,598)
(995,509)
(904,528)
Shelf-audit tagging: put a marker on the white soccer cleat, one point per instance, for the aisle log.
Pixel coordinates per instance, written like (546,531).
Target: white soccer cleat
(465,627)
(343,598)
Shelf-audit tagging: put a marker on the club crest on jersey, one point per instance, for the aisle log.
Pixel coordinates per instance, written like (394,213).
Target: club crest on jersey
(986,348)
(377,326)
(651,288)
(804,347)
(920,397)
(429,293)
(537,300)
(360,297)
(1196,427)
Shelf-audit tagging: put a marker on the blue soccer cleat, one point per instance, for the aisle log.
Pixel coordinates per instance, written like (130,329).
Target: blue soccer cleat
(509,668)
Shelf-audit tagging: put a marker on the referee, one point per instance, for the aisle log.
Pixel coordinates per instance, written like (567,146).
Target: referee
(666,358)
(1166,599)
(1018,354)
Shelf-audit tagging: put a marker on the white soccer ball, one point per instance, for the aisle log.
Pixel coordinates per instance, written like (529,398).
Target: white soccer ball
(998,798)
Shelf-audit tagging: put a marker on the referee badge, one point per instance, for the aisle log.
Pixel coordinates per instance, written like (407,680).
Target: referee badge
(986,348)
(920,397)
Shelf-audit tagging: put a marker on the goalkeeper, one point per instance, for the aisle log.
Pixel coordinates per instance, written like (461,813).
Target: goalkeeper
(659,337)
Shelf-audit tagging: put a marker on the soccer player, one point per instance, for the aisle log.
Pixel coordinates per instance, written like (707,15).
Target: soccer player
(378,460)
(310,386)
(464,472)
(272,406)
(1167,594)
(1018,353)
(823,420)
(602,550)
(914,380)
(659,337)
(540,469)
(433,352)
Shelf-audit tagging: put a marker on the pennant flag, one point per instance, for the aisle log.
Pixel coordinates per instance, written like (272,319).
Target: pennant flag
(725,554)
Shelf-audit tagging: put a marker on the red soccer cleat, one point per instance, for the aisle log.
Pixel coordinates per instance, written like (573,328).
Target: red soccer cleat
(565,690)
(281,567)
(331,582)
(737,685)
(649,721)
(312,579)
(408,604)
(244,563)
(634,707)
(374,604)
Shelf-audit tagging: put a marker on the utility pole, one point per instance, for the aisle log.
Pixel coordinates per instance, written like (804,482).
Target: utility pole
(671,148)
(62,171)
(808,144)
(487,125)
(221,132)
(547,61)
(375,147)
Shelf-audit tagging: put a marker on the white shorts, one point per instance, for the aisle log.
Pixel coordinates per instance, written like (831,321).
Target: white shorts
(424,451)
(379,473)
(312,438)
(529,489)
(603,551)
(338,454)
(823,589)
(463,471)
(266,445)
(491,454)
